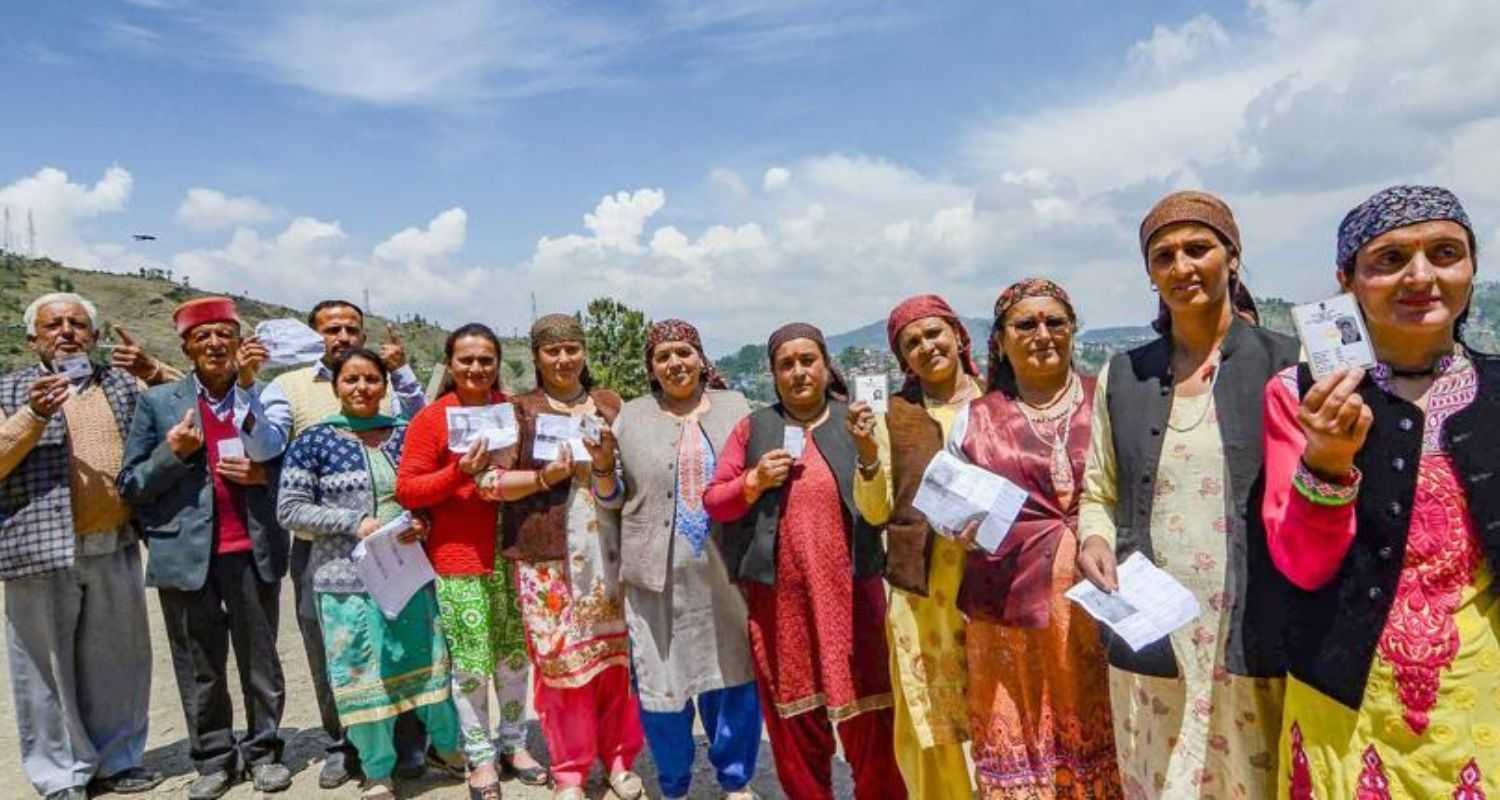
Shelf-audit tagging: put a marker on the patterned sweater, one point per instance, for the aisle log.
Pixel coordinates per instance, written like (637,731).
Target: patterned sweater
(326,490)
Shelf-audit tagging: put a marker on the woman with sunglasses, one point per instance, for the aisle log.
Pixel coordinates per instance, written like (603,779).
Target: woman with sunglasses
(1038,686)
(1174,473)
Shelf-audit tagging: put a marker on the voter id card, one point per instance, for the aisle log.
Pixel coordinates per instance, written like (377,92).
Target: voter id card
(792,440)
(1334,335)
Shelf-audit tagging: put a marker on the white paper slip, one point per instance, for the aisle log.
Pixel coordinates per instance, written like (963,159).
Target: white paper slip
(392,571)
(1334,335)
(872,389)
(1149,606)
(555,430)
(231,448)
(953,494)
(1001,517)
(496,424)
(793,440)
(76,367)
(289,342)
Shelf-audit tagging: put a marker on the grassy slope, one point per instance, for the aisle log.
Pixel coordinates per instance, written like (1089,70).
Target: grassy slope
(144,306)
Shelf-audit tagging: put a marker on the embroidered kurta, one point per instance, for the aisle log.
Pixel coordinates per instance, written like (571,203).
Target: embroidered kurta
(1207,733)
(816,635)
(571,609)
(929,674)
(1428,725)
(1038,697)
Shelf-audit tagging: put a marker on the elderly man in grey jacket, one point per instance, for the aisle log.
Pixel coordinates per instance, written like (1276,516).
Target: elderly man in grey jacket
(75,607)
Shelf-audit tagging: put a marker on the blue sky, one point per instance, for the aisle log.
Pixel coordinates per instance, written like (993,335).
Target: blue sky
(743,163)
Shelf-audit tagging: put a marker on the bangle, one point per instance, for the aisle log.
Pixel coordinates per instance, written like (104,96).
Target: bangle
(541,480)
(868,468)
(1323,492)
(607,473)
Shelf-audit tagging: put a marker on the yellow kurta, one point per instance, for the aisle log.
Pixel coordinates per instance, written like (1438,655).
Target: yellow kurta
(929,674)
(1207,733)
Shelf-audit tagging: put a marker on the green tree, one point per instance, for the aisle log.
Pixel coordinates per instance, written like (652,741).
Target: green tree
(617,346)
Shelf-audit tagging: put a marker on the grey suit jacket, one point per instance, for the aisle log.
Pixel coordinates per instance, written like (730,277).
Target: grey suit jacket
(173,499)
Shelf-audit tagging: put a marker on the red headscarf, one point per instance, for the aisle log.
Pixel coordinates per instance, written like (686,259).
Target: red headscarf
(921,307)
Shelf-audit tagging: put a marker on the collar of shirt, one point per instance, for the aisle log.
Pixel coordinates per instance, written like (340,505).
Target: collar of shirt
(222,407)
(322,373)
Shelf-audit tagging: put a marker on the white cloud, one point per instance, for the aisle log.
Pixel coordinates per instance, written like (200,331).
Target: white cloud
(454,53)
(1292,118)
(729,179)
(211,209)
(776,179)
(1173,48)
(61,210)
(443,237)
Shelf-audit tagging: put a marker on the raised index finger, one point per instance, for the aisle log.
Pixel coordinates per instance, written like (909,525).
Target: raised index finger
(124,336)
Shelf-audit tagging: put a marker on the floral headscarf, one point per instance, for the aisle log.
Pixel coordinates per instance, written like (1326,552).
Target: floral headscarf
(676,330)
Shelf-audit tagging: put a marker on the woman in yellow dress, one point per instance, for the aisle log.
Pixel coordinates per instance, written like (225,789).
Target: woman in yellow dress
(924,628)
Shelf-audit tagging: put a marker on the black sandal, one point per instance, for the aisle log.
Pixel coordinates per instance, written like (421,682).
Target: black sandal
(530,776)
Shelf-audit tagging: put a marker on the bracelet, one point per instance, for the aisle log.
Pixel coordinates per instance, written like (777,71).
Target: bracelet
(541,481)
(867,468)
(608,473)
(1323,492)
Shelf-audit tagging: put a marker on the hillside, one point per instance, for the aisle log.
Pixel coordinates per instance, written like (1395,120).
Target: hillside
(143,306)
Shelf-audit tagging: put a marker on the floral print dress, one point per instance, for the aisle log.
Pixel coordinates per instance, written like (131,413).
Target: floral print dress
(1206,734)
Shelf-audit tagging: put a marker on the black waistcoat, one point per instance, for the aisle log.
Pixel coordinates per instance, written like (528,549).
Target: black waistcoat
(1139,398)
(1333,632)
(749,544)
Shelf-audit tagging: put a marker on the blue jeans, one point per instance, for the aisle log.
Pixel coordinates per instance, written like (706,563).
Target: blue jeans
(731,718)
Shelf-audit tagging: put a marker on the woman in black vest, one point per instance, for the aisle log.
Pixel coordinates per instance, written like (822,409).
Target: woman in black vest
(1174,463)
(1380,507)
(810,565)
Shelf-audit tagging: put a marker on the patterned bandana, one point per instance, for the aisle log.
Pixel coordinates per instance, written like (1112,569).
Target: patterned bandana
(676,330)
(924,306)
(1200,207)
(1394,208)
(837,389)
(1022,290)
(1027,288)
(554,328)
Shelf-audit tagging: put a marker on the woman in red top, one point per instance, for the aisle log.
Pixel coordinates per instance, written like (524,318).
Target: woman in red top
(793,538)
(476,589)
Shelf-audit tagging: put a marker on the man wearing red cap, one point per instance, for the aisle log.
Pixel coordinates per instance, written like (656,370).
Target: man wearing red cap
(200,472)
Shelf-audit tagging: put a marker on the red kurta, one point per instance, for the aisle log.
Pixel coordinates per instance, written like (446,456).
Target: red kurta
(817,635)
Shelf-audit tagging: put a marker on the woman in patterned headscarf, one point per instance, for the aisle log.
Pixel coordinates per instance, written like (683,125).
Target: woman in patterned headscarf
(1380,506)
(687,619)
(1038,686)
(1174,470)
(551,527)
(924,628)
(810,563)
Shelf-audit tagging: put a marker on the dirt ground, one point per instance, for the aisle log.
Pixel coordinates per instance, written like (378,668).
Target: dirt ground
(167,749)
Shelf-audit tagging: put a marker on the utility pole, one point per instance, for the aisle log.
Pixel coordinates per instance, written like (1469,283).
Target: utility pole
(5,248)
(368,309)
(30,235)
(533,308)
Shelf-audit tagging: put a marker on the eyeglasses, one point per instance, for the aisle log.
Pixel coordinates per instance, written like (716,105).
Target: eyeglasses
(1029,327)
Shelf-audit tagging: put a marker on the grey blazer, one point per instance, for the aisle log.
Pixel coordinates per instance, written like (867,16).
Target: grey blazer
(648,440)
(174,499)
